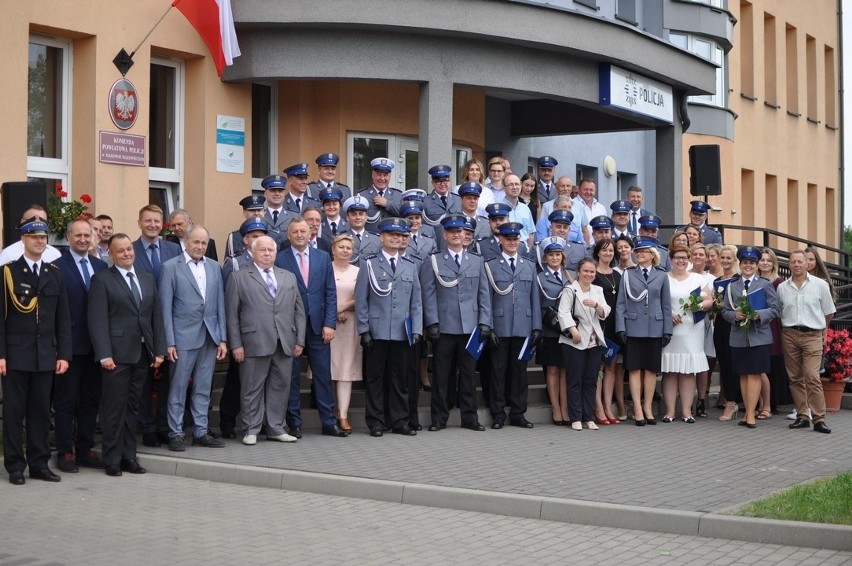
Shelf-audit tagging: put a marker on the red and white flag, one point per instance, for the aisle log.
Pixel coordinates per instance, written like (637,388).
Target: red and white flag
(214,22)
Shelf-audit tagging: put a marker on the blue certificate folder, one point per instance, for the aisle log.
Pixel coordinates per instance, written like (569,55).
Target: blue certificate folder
(408,333)
(475,344)
(757,299)
(611,351)
(697,316)
(527,351)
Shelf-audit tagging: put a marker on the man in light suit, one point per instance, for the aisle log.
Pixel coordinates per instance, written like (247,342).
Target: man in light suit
(456,301)
(266,329)
(77,394)
(126,327)
(387,296)
(151,251)
(315,279)
(193,298)
(516,315)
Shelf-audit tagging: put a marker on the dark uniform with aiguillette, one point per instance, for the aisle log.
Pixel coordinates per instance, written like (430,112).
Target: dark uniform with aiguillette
(34,337)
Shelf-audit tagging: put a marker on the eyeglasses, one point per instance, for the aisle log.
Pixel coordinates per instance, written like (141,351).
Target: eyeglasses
(495,170)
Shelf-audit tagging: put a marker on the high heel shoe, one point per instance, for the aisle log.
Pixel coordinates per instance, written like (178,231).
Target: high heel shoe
(731,412)
(344,425)
(700,410)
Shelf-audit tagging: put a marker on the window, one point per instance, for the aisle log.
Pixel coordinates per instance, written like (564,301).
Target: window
(625,181)
(48,110)
(792,52)
(830,90)
(746,45)
(625,10)
(770,72)
(363,150)
(588,3)
(811,76)
(709,50)
(263,133)
(165,134)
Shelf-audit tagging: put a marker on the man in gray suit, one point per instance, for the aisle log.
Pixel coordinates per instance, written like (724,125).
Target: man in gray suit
(266,329)
(456,301)
(193,298)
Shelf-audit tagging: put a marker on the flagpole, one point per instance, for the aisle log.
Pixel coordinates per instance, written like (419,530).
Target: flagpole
(123,61)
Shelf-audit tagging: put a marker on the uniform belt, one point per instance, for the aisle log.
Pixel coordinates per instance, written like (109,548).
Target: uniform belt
(803,329)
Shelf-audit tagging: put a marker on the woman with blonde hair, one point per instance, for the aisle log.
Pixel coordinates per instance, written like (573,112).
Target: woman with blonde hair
(777,386)
(730,382)
(346,353)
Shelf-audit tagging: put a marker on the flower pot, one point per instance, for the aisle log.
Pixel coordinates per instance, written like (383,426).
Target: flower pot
(833,391)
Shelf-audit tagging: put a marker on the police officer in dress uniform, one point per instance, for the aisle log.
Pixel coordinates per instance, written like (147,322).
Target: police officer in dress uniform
(253,207)
(621,218)
(333,223)
(546,174)
(441,201)
(229,403)
(365,243)
(698,217)
(470,228)
(469,194)
(383,200)
(456,301)
(420,196)
(327,163)
(298,199)
(601,230)
(419,244)
(516,316)
(388,300)
(648,227)
(276,215)
(560,227)
(498,214)
(35,342)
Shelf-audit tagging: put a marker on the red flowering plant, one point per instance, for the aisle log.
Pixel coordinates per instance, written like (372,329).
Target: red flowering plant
(166,230)
(837,354)
(61,212)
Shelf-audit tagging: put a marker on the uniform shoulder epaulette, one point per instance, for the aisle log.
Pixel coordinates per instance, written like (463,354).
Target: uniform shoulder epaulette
(436,252)
(370,256)
(341,185)
(484,238)
(406,258)
(660,267)
(473,253)
(394,189)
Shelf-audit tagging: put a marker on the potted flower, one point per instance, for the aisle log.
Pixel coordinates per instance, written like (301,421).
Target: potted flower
(837,361)
(61,213)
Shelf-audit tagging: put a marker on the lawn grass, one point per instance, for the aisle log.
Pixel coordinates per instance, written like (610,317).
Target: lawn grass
(827,500)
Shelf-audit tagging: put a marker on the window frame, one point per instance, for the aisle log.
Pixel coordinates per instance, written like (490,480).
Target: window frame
(171,178)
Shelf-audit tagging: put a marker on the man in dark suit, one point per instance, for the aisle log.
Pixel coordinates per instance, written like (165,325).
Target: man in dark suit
(180,222)
(193,297)
(266,330)
(77,394)
(313,217)
(636,198)
(315,280)
(35,342)
(126,327)
(151,251)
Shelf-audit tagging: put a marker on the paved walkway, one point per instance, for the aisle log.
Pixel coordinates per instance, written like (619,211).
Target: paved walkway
(158,519)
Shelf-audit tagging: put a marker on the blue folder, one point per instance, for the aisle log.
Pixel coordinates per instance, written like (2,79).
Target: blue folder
(697,316)
(475,344)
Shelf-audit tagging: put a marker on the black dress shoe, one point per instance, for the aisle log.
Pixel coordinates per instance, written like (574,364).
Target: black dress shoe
(151,439)
(639,422)
(207,441)
(295,431)
(475,425)
(417,426)
(434,427)
(163,437)
(521,423)
(113,471)
(821,427)
(17,478)
(44,474)
(651,422)
(90,460)
(404,430)
(334,430)
(376,432)
(65,463)
(801,423)
(132,466)
(226,432)
(386,428)
(497,425)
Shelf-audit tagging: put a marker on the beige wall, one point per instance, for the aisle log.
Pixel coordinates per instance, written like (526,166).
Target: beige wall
(783,169)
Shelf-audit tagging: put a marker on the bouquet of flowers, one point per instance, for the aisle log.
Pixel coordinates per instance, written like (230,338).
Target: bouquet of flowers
(692,303)
(744,306)
(718,302)
(61,213)
(837,355)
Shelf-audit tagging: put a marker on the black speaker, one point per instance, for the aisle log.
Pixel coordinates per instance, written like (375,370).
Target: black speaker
(17,197)
(705,170)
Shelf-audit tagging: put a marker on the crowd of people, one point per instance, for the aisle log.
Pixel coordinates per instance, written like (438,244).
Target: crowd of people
(361,286)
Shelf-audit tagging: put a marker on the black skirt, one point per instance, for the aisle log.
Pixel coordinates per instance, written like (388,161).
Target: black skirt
(549,353)
(752,360)
(643,353)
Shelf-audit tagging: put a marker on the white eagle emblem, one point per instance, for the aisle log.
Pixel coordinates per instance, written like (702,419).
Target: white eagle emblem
(125,105)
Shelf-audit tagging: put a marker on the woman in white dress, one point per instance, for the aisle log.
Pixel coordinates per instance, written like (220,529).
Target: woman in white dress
(346,347)
(684,355)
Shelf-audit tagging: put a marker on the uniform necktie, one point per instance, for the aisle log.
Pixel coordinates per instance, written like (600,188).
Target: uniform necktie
(393,264)
(270,282)
(512,263)
(334,228)
(84,265)
(134,290)
(556,274)
(747,281)
(414,237)
(444,200)
(645,273)
(359,238)
(35,270)
(274,217)
(381,194)
(155,261)
(299,204)
(303,266)
(547,191)
(458,261)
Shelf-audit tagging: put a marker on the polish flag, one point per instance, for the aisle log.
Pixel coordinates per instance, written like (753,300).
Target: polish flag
(214,22)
